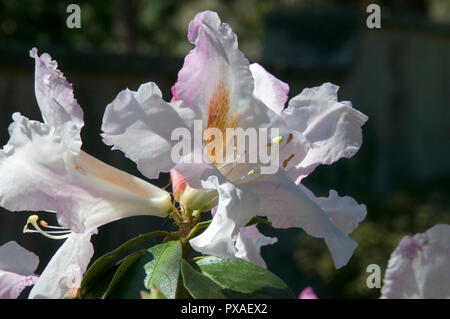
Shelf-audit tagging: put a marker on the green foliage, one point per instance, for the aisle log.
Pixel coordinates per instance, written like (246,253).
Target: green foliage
(198,285)
(104,264)
(162,272)
(158,267)
(241,279)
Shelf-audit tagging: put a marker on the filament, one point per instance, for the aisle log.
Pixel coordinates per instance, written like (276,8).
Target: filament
(60,233)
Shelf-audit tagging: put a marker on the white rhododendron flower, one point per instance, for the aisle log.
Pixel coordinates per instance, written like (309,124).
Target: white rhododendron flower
(218,87)
(419,267)
(43,168)
(17,267)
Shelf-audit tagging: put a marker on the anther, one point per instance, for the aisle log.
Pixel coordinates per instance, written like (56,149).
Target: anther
(277,140)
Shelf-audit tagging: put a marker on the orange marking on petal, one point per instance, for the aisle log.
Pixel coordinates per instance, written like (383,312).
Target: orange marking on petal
(286,161)
(289,138)
(219,117)
(90,166)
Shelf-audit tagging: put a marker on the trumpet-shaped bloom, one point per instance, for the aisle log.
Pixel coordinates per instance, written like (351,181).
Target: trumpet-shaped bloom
(219,87)
(419,266)
(43,168)
(17,267)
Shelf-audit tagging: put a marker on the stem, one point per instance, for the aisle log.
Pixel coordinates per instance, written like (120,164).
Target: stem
(196,228)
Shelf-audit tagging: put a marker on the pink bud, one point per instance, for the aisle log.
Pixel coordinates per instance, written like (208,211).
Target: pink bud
(178,183)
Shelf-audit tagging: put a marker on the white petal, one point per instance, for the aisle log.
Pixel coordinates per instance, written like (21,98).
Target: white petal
(271,91)
(332,127)
(344,212)
(286,206)
(63,274)
(141,123)
(236,208)
(249,243)
(58,106)
(419,266)
(17,266)
(40,173)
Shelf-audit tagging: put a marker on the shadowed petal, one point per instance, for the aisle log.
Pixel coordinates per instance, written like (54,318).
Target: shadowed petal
(17,267)
(249,242)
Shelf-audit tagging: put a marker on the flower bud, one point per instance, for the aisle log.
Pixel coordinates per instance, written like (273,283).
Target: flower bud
(178,183)
(199,199)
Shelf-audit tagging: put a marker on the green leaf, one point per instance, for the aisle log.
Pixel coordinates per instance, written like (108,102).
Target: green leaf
(124,265)
(198,285)
(164,269)
(241,279)
(104,263)
(159,266)
(98,290)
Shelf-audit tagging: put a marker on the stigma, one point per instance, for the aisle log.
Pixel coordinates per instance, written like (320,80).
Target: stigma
(54,232)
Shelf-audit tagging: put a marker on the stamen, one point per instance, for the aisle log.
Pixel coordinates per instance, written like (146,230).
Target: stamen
(289,138)
(277,140)
(63,232)
(29,231)
(286,161)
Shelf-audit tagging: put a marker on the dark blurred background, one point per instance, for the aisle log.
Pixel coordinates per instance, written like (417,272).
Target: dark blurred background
(398,75)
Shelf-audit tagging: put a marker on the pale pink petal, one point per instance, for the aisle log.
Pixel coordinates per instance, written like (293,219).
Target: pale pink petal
(40,173)
(249,242)
(271,91)
(307,293)
(333,128)
(216,76)
(58,106)
(63,274)
(419,266)
(17,266)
